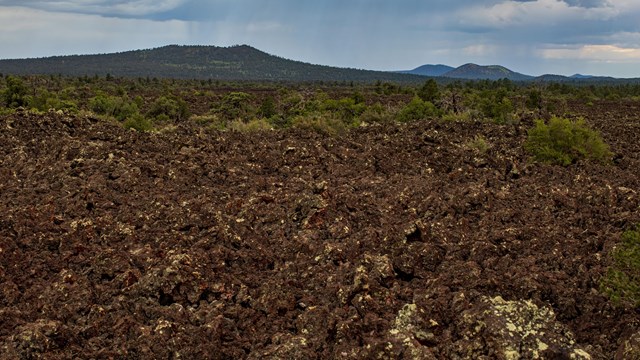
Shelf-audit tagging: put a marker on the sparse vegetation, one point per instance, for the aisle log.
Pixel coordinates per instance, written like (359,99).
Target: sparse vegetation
(250,126)
(327,107)
(320,123)
(622,280)
(479,144)
(404,184)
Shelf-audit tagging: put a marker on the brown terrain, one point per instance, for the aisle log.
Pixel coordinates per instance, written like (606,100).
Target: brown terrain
(391,241)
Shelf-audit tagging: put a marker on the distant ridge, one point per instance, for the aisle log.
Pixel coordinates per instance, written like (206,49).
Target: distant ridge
(430,70)
(491,72)
(245,63)
(583,78)
(580,76)
(496,72)
(241,62)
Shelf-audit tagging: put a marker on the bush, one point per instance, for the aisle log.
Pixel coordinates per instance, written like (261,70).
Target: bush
(45,100)
(534,100)
(268,108)
(280,122)
(15,95)
(376,113)
(164,109)
(417,109)
(563,142)
(235,105)
(429,91)
(138,122)
(500,110)
(293,105)
(346,109)
(622,280)
(479,144)
(118,107)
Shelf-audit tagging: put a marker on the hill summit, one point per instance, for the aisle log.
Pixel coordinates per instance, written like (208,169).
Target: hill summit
(491,72)
(469,72)
(430,70)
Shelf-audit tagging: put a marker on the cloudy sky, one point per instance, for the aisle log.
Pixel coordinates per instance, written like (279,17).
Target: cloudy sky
(599,37)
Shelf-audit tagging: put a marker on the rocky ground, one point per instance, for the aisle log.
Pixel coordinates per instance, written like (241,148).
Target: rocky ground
(393,241)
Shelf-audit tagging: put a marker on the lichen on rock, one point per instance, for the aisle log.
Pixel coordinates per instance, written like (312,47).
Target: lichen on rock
(517,329)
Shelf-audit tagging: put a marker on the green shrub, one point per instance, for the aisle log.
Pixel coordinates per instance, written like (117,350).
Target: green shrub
(165,109)
(293,105)
(563,142)
(280,122)
(138,122)
(500,110)
(377,113)
(235,105)
(417,109)
(622,280)
(118,107)
(15,95)
(44,100)
(268,108)
(346,108)
(479,144)
(494,104)
(534,99)
(429,91)
(464,116)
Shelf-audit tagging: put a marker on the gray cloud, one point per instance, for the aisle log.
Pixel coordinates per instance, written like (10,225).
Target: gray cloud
(529,35)
(587,3)
(125,8)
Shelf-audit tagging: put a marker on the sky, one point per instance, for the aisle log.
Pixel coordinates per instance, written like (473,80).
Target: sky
(535,37)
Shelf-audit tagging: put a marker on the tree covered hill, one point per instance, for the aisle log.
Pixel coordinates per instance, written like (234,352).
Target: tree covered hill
(240,62)
(491,72)
(430,70)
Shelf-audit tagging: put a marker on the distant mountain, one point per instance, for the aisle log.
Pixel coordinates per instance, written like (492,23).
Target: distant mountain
(197,62)
(577,78)
(245,63)
(429,70)
(491,72)
(469,72)
(580,76)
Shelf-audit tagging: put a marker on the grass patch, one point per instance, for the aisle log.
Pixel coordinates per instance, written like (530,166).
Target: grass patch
(250,126)
(320,123)
(479,144)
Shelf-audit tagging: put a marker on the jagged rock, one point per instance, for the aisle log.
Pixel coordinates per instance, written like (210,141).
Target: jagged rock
(379,243)
(512,330)
(630,348)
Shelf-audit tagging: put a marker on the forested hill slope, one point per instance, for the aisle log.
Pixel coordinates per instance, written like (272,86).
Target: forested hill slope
(196,62)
